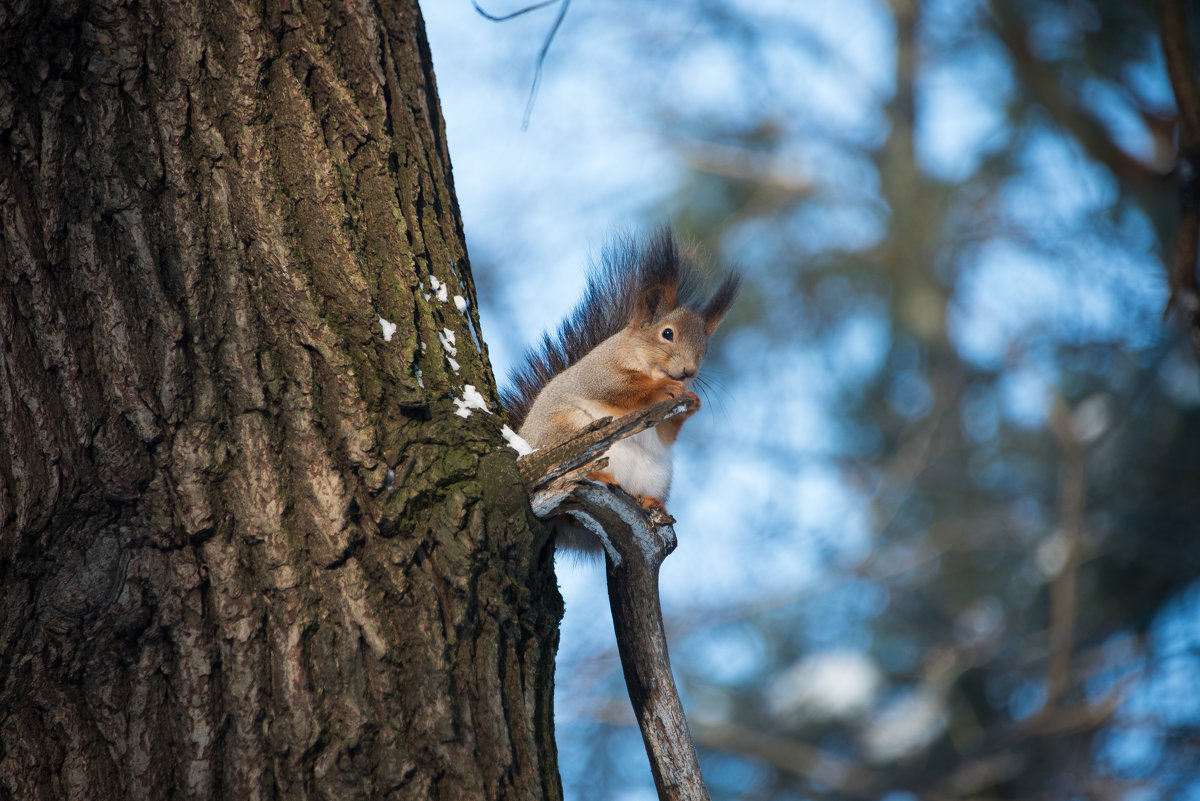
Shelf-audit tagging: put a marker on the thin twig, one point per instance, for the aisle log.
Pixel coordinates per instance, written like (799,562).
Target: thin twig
(1044,85)
(818,765)
(505,17)
(541,58)
(1064,600)
(1177,53)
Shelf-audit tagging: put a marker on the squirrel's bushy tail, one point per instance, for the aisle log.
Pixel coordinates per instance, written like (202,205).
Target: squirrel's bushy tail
(627,269)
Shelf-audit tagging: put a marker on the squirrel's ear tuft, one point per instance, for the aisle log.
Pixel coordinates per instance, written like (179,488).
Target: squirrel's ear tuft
(651,305)
(718,306)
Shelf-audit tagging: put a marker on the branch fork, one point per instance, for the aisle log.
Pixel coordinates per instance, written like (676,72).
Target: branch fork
(635,543)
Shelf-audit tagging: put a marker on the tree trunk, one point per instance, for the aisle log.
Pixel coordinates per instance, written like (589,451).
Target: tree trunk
(248,549)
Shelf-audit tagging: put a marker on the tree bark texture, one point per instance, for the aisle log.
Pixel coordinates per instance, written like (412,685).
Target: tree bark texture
(248,549)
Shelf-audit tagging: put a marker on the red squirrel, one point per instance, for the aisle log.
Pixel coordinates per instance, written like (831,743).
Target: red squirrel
(638,337)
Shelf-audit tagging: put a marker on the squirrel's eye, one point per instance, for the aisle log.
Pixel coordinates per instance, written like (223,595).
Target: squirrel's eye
(668,335)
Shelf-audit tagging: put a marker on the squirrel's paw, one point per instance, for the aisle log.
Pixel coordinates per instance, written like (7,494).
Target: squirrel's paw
(672,388)
(657,512)
(692,396)
(650,503)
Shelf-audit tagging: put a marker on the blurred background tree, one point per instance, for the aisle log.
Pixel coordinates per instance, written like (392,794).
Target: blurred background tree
(940,519)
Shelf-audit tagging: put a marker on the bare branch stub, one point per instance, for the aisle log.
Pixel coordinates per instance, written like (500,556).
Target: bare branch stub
(635,545)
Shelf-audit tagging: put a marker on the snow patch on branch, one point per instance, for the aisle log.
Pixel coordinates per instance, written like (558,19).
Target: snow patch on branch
(389,329)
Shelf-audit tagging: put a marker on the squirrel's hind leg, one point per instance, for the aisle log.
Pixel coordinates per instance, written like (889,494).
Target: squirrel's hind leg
(650,503)
(647,502)
(604,477)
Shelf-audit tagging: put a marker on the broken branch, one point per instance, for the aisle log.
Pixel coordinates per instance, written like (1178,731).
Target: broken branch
(635,545)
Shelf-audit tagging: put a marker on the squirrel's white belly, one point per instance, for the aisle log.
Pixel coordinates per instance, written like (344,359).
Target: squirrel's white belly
(641,464)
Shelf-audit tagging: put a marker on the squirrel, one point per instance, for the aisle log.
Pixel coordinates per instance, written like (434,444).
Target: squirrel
(638,337)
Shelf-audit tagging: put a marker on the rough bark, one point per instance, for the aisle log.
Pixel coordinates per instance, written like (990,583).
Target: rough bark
(247,548)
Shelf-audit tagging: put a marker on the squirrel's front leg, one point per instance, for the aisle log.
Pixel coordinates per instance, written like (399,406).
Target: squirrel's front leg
(636,390)
(639,389)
